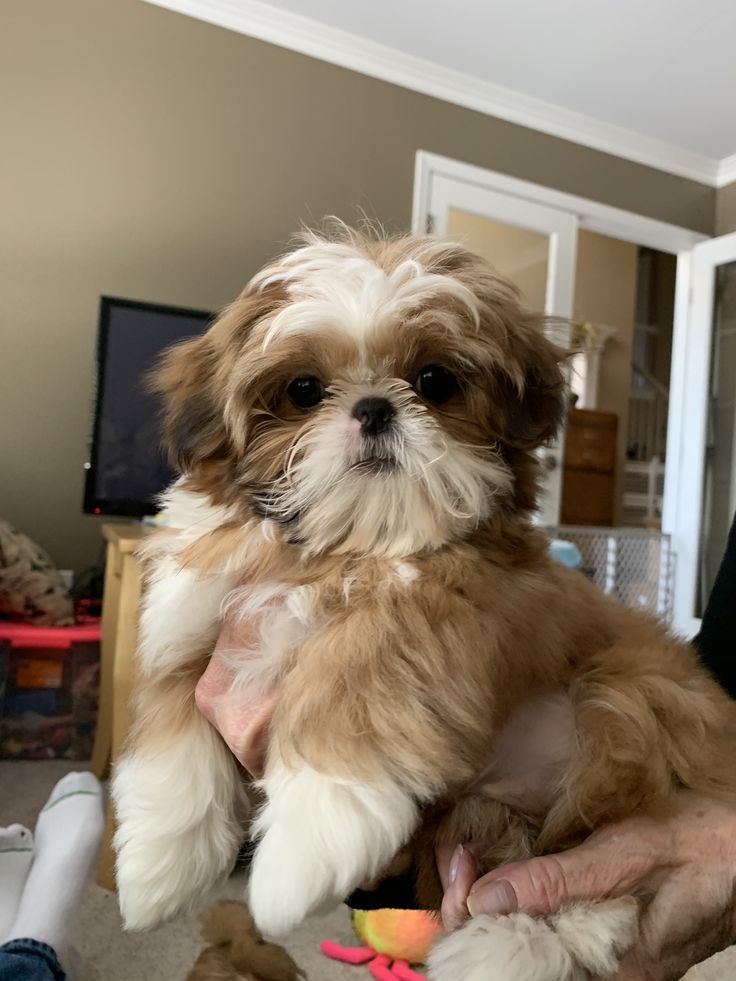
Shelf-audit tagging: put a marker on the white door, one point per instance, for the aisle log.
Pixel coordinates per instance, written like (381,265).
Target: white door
(700,485)
(531,244)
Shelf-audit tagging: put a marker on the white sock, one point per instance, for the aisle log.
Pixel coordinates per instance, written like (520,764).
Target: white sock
(67,838)
(16,854)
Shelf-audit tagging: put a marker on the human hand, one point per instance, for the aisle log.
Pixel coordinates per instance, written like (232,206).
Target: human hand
(241,713)
(683,867)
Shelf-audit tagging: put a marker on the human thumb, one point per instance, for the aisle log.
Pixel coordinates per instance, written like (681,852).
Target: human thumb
(540,886)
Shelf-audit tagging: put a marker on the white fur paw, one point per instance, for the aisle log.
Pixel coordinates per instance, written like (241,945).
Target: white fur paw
(580,940)
(289,879)
(503,948)
(177,833)
(321,837)
(150,890)
(160,875)
(597,934)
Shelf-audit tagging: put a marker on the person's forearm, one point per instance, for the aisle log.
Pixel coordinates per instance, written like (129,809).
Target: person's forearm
(716,642)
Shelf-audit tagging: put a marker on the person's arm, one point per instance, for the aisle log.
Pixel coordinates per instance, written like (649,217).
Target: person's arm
(686,863)
(716,642)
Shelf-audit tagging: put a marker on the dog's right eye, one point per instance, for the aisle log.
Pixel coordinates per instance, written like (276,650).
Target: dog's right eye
(305,393)
(436,384)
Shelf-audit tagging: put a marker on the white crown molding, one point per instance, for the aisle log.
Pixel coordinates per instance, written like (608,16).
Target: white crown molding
(726,171)
(286,29)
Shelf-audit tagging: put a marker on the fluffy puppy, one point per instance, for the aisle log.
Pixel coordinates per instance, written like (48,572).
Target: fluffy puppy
(356,435)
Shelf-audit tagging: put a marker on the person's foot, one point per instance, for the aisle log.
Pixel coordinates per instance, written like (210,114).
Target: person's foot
(67,838)
(16,854)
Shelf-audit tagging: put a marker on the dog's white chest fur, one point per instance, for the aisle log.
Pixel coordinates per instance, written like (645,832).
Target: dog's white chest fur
(263,625)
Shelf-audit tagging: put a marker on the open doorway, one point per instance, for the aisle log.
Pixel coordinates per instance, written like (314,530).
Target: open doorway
(614,462)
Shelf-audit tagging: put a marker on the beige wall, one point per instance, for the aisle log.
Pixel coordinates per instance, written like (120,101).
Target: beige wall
(517,253)
(146,154)
(726,209)
(605,293)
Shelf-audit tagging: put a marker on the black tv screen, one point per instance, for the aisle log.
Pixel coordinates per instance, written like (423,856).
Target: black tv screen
(127,468)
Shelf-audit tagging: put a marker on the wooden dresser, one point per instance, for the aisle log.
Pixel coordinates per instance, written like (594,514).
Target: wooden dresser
(589,476)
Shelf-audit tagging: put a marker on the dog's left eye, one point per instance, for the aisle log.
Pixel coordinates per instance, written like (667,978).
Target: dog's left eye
(436,384)
(306,392)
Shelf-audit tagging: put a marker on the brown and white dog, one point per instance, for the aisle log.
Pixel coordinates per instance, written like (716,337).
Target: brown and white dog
(356,437)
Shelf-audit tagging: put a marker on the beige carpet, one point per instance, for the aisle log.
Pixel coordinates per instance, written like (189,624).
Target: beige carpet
(166,954)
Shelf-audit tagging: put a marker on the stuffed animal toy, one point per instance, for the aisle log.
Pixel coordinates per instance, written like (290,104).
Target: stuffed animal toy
(393,939)
(237,952)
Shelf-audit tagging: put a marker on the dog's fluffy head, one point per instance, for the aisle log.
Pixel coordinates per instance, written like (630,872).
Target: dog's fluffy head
(373,395)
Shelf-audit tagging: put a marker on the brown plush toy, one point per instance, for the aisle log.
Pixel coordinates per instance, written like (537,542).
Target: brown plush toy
(237,951)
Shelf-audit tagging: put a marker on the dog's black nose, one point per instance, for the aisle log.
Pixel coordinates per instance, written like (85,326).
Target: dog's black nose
(374,415)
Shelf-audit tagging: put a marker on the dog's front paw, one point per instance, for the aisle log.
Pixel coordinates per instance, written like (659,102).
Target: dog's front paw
(502,948)
(175,838)
(289,880)
(582,940)
(321,837)
(597,934)
(157,878)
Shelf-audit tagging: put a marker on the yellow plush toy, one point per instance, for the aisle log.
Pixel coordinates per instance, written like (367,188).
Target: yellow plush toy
(393,939)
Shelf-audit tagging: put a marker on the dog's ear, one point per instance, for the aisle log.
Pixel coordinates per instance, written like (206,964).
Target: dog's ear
(192,377)
(534,392)
(193,426)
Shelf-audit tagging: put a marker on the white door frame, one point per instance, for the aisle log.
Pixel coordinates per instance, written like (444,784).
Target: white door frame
(591,215)
(683,509)
(560,229)
(678,512)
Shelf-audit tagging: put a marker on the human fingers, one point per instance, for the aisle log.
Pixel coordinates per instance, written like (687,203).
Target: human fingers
(458,876)
(613,863)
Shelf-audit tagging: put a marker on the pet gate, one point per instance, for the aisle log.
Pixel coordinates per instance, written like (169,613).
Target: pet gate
(632,564)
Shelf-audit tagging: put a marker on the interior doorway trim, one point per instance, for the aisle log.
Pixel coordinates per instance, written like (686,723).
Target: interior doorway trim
(592,215)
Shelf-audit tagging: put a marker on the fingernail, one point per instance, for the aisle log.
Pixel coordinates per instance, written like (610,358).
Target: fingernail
(455,862)
(494,900)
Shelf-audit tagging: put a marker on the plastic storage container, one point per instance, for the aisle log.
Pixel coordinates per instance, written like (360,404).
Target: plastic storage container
(49,686)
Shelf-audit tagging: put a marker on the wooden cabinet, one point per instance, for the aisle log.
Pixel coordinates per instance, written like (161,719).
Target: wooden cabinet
(589,475)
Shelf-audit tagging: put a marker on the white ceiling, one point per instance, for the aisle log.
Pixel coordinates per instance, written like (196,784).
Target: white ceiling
(653,80)
(663,68)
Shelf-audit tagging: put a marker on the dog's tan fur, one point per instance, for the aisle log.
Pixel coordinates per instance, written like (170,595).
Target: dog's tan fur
(422,682)
(423,676)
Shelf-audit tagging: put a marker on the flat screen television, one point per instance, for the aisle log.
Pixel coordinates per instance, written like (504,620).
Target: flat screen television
(127,468)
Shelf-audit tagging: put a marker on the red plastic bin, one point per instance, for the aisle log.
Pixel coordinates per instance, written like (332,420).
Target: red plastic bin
(49,689)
